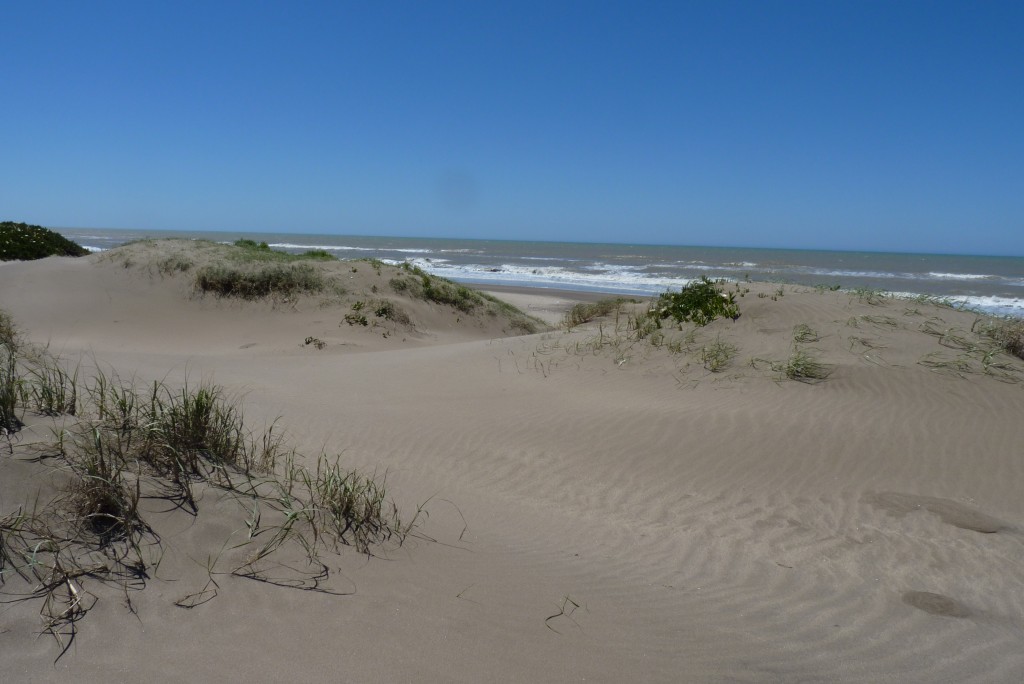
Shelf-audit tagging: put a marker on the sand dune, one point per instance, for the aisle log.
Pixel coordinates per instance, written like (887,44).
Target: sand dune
(600,508)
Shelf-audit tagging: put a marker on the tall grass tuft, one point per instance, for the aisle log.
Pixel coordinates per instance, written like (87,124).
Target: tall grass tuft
(10,390)
(1008,334)
(103,502)
(802,366)
(53,390)
(355,507)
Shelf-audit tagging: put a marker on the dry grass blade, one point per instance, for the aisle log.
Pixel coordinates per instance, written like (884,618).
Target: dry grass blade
(804,333)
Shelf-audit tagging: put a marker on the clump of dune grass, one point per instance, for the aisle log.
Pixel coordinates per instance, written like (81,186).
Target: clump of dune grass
(1007,333)
(354,507)
(52,389)
(803,333)
(869,295)
(584,312)
(174,264)
(275,280)
(103,499)
(717,355)
(8,331)
(803,366)
(643,324)
(12,382)
(128,443)
(10,390)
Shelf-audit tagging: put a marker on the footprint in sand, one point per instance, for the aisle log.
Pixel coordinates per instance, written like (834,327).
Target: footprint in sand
(935,604)
(950,512)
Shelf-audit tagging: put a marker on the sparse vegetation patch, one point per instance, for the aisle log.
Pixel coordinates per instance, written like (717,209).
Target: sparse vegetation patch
(279,280)
(584,312)
(127,444)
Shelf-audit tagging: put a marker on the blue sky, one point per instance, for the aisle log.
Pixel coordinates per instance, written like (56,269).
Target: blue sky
(845,125)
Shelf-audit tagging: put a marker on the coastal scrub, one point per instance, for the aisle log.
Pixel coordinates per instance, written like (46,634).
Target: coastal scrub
(25,242)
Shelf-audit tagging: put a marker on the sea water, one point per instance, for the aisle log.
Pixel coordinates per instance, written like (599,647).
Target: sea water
(989,283)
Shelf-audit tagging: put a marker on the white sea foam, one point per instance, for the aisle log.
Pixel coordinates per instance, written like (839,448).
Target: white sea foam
(1001,306)
(958,276)
(620,280)
(94,249)
(347,248)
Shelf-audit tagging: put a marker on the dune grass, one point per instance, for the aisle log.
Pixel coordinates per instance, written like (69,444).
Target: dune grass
(245,250)
(717,355)
(127,443)
(416,283)
(1007,333)
(803,366)
(584,312)
(803,333)
(11,405)
(250,284)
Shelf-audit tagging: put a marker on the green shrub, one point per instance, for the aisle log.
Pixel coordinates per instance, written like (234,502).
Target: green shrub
(701,302)
(356,319)
(24,242)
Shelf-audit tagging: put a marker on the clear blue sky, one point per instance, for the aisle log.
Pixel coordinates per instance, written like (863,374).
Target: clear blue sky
(825,124)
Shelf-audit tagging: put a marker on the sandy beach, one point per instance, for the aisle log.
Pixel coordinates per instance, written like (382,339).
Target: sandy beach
(593,506)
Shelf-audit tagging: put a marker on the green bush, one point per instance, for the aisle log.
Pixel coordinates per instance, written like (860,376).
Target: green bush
(701,302)
(24,242)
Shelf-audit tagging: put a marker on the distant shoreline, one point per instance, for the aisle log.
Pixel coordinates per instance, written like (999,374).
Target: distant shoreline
(991,284)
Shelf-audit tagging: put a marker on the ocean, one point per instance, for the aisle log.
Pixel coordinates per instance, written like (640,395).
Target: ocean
(987,283)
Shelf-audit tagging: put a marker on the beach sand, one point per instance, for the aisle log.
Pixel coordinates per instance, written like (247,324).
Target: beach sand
(597,508)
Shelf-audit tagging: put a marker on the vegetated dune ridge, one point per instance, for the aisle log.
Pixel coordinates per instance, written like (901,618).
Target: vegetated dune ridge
(600,505)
